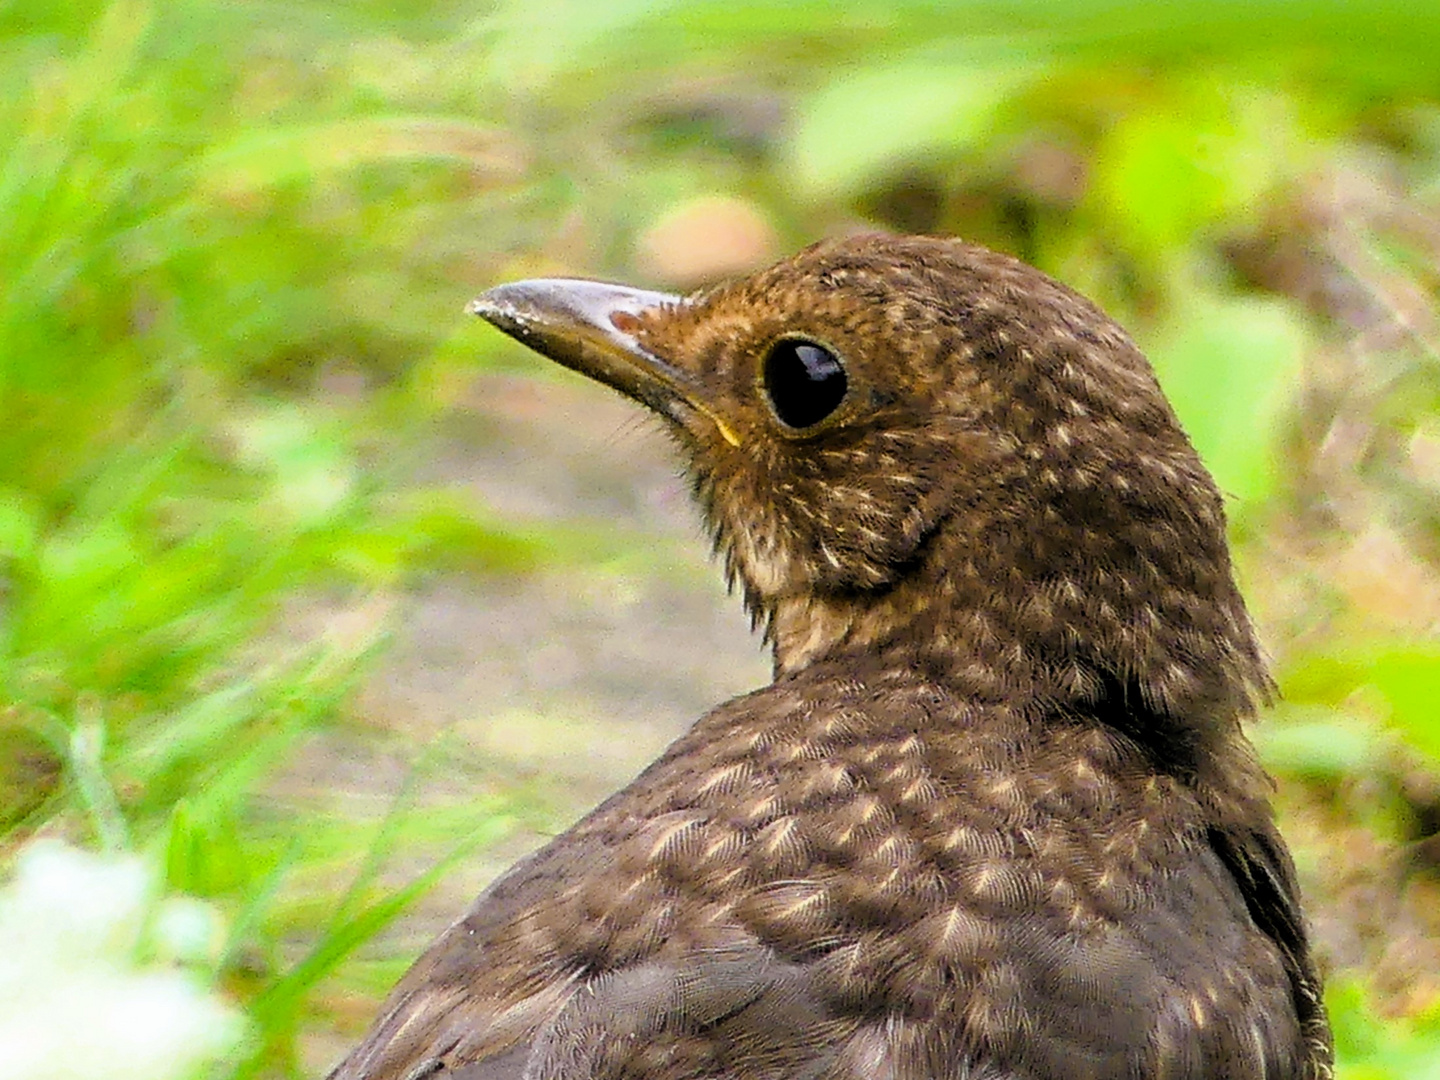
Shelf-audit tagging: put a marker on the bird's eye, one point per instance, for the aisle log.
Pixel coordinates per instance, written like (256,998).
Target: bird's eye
(805,382)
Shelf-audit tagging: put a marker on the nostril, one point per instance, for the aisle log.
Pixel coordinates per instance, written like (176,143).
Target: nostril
(624,321)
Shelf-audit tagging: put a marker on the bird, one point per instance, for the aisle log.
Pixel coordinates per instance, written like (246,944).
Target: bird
(996,816)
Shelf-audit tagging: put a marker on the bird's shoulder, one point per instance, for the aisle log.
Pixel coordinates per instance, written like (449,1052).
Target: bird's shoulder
(871,867)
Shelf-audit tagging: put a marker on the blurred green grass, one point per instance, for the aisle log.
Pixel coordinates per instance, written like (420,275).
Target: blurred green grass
(235,239)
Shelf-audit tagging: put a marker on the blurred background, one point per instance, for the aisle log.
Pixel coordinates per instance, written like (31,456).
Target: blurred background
(320,602)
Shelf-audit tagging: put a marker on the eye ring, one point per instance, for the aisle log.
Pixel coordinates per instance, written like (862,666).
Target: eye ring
(804,382)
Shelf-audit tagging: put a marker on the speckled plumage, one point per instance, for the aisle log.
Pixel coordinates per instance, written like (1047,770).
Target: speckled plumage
(995,817)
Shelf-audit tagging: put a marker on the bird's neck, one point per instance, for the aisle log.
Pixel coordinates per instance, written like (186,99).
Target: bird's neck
(1165,654)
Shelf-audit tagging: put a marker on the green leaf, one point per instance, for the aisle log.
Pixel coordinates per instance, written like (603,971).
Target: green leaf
(1409,679)
(1318,743)
(1371,1047)
(1230,367)
(19,525)
(867,122)
(1405,676)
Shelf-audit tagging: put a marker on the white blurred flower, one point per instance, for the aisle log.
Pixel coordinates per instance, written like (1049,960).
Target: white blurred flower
(75,1001)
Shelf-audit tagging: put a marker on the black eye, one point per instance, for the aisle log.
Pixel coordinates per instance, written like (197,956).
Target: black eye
(805,382)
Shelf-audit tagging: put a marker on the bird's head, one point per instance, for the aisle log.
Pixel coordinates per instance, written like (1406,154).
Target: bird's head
(919,447)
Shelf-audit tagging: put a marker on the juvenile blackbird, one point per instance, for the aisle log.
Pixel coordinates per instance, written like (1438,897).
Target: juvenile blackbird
(995,818)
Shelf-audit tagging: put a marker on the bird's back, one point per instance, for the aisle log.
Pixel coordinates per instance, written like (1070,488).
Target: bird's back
(863,874)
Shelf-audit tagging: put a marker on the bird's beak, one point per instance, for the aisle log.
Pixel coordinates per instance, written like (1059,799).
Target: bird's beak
(590,327)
